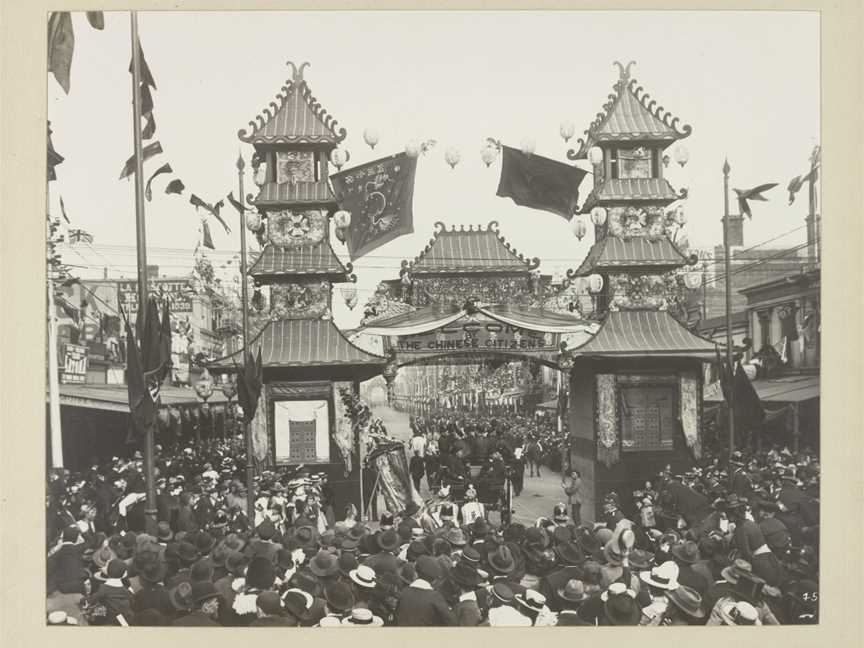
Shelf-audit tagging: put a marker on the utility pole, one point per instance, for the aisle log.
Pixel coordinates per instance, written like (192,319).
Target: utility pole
(141,244)
(728,261)
(53,378)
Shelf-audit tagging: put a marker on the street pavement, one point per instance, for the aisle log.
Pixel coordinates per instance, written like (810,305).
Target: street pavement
(539,494)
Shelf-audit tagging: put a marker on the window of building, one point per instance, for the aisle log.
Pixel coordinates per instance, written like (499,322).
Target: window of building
(764,328)
(635,163)
(648,419)
(302,431)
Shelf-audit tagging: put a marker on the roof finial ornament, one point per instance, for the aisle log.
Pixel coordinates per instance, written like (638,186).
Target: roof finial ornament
(624,70)
(297,73)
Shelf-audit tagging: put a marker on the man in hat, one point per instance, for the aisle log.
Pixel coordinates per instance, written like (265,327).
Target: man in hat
(571,596)
(569,567)
(420,604)
(472,509)
(685,607)
(417,469)
(205,611)
(385,560)
(340,601)
(270,612)
(66,573)
(466,610)
(113,594)
(686,556)
(739,584)
(573,489)
(502,608)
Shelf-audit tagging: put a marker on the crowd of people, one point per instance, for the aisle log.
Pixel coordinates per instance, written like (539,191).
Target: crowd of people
(731,542)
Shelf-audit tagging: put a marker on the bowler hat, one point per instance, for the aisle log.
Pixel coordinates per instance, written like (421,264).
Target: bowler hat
(339,597)
(235,563)
(573,591)
(324,564)
(116,569)
(686,552)
(465,576)
(688,600)
(570,553)
(163,531)
(187,553)
(502,561)
(411,509)
(388,540)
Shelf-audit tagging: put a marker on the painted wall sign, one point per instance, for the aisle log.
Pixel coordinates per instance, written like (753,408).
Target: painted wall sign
(74,369)
(179,294)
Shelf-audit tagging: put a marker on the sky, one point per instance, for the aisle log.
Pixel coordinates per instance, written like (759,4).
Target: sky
(747,83)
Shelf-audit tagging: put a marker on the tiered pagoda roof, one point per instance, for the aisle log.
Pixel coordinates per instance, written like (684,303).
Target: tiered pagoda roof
(297,118)
(318,259)
(303,343)
(641,333)
(630,189)
(612,253)
(301,193)
(470,251)
(629,116)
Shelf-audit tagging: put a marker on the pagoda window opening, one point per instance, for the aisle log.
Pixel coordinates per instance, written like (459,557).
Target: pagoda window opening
(634,163)
(302,431)
(296,166)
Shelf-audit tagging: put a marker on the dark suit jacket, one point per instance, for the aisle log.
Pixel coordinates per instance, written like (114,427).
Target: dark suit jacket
(66,571)
(421,607)
(467,613)
(196,618)
(270,621)
(551,583)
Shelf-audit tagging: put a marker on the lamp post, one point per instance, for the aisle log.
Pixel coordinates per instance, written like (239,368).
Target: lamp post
(244,309)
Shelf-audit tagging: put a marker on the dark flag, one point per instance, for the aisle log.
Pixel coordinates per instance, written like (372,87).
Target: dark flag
(380,197)
(149,127)
(176,186)
(80,235)
(212,209)
(146,77)
(794,187)
(205,233)
(250,380)
(155,350)
(539,183)
(751,194)
(141,404)
(96,19)
(724,375)
(749,413)
(148,193)
(235,203)
(149,151)
(54,158)
(61,46)
(63,211)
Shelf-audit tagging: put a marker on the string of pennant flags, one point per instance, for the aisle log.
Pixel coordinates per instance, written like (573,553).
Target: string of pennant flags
(375,198)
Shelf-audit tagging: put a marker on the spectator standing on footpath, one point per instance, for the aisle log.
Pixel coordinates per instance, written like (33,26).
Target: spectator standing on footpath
(572,485)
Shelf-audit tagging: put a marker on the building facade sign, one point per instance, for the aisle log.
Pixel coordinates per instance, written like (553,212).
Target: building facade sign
(476,333)
(74,369)
(179,294)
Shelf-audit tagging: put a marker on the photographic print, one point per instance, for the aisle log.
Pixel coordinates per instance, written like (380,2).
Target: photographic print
(433,318)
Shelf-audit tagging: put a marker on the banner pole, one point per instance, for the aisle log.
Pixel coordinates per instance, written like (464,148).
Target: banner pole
(141,245)
(728,264)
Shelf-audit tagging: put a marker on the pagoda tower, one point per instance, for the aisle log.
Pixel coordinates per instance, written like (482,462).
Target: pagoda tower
(636,386)
(306,358)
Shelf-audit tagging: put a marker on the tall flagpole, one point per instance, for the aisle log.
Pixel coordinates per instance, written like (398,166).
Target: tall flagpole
(141,243)
(244,309)
(53,365)
(728,260)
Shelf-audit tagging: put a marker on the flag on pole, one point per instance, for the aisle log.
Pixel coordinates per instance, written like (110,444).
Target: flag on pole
(235,203)
(54,158)
(96,19)
(155,348)
(63,211)
(148,152)
(212,209)
(141,404)
(539,183)
(752,194)
(176,186)
(80,236)
(61,46)
(205,234)
(380,197)
(749,412)
(250,379)
(148,193)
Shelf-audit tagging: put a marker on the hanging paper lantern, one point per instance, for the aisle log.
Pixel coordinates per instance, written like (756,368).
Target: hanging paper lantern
(342,219)
(257,300)
(598,216)
(680,216)
(412,149)
(595,155)
(370,136)
(567,129)
(579,228)
(693,280)
(452,156)
(253,222)
(527,145)
(488,154)
(349,292)
(595,283)
(339,157)
(682,155)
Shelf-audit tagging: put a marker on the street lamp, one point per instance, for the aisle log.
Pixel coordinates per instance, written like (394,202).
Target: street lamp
(527,145)
(412,149)
(370,136)
(598,216)
(579,228)
(595,155)
(339,156)
(682,155)
(452,156)
(567,130)
(488,154)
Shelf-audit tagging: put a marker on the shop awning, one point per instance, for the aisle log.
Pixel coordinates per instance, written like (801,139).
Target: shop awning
(644,333)
(115,398)
(785,389)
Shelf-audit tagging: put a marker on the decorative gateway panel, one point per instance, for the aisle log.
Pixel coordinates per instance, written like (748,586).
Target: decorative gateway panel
(300,300)
(636,292)
(486,289)
(259,433)
(295,166)
(607,419)
(628,222)
(689,413)
(289,228)
(343,431)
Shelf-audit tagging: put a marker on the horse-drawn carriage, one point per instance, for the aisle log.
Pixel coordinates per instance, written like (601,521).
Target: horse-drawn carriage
(493,492)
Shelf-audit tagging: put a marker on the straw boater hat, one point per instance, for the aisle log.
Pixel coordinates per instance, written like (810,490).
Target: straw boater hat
(363,617)
(740,613)
(363,576)
(531,600)
(663,576)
